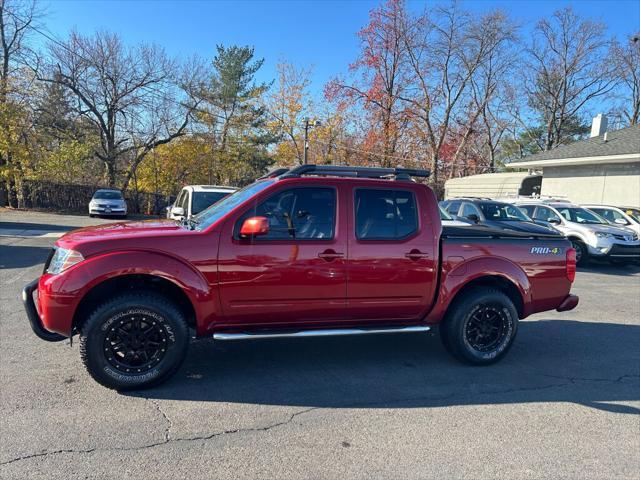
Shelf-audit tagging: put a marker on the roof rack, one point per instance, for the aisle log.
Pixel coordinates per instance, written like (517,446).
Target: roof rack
(359,172)
(276,172)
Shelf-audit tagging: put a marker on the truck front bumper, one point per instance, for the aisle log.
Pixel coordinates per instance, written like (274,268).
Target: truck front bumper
(569,303)
(34,317)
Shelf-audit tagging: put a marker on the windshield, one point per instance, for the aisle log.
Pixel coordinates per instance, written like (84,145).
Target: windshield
(107,195)
(216,211)
(443,214)
(581,215)
(503,212)
(634,213)
(202,200)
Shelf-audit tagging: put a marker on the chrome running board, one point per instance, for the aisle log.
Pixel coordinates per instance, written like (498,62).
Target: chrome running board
(318,333)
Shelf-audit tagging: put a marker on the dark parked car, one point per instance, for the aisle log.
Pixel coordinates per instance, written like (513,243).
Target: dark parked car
(494,214)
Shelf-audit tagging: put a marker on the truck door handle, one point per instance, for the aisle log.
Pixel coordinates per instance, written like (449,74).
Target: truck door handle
(416,255)
(329,255)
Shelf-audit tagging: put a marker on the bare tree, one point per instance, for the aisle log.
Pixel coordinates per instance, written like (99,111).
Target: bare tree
(287,104)
(380,79)
(627,63)
(488,87)
(129,94)
(16,20)
(568,68)
(446,48)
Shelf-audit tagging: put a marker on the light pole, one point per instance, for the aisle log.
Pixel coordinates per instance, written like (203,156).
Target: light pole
(307,125)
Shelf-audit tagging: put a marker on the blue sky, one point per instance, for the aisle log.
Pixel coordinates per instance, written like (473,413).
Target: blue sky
(321,34)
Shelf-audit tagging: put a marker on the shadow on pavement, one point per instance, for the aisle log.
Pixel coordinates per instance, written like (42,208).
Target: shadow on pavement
(624,268)
(17,256)
(591,364)
(49,227)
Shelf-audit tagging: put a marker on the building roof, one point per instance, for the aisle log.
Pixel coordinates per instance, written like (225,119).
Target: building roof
(620,146)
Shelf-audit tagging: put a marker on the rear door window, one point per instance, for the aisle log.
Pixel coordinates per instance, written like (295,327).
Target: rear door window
(385,214)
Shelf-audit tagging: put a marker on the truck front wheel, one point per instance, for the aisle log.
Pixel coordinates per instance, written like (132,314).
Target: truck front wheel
(134,341)
(480,327)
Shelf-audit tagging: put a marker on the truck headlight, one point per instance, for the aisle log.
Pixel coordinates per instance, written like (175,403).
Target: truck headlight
(603,235)
(63,259)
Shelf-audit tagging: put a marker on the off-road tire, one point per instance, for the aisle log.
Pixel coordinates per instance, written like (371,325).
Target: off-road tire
(157,312)
(456,327)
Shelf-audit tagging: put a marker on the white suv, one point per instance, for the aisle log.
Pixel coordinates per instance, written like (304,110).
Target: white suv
(195,198)
(625,217)
(590,234)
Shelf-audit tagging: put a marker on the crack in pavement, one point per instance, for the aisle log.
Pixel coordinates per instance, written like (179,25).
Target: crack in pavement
(167,432)
(166,440)
(584,379)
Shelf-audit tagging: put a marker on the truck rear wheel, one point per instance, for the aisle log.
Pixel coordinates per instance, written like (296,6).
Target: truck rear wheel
(134,341)
(480,327)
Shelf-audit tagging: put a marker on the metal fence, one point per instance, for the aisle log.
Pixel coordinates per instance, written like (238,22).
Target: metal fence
(75,198)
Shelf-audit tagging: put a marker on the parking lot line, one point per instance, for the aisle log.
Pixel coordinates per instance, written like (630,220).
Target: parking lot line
(14,232)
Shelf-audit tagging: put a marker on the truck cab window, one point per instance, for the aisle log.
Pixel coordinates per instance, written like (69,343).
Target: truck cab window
(385,214)
(298,213)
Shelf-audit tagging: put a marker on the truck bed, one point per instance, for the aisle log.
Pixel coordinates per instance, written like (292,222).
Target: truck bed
(481,231)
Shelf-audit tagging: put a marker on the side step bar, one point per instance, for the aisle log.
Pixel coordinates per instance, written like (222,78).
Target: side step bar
(318,333)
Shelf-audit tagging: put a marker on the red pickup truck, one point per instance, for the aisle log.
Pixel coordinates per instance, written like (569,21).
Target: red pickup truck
(311,251)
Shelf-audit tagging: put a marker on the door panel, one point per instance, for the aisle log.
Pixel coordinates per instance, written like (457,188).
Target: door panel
(392,255)
(282,279)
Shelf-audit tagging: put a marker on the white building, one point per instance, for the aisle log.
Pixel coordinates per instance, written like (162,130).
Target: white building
(603,169)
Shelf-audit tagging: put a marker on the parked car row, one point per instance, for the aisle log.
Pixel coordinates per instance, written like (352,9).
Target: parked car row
(193,199)
(595,231)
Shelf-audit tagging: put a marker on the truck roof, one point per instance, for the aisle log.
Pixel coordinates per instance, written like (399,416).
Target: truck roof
(377,173)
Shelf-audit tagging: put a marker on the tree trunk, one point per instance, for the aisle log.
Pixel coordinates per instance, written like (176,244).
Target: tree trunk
(110,172)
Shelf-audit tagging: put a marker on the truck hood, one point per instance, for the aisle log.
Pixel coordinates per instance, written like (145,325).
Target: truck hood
(122,230)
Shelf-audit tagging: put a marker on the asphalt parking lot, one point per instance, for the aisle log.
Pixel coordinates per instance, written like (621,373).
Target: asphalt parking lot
(564,403)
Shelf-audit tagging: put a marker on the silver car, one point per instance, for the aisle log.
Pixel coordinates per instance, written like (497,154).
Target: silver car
(590,234)
(108,202)
(628,217)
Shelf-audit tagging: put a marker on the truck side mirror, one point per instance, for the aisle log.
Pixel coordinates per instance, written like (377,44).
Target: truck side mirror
(621,221)
(254,226)
(177,211)
(555,221)
(473,217)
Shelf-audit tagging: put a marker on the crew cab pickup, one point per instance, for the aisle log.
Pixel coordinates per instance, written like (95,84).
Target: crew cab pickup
(311,251)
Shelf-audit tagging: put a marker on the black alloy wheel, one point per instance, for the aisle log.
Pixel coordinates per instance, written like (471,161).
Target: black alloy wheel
(486,328)
(134,340)
(135,343)
(480,326)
